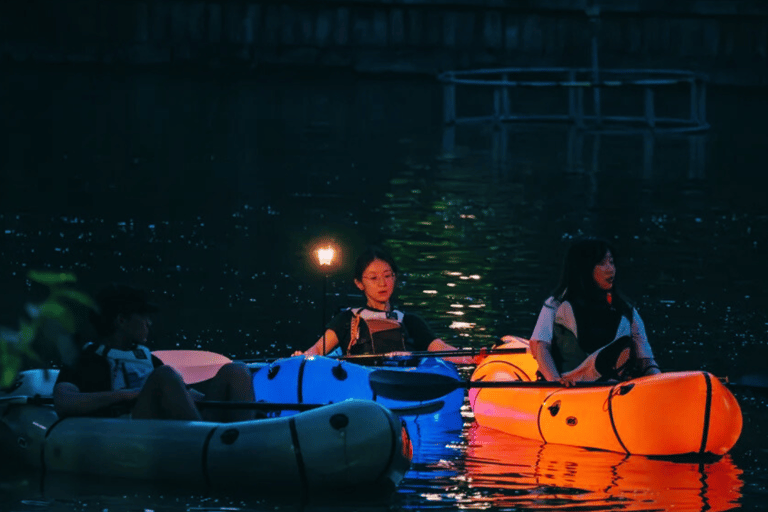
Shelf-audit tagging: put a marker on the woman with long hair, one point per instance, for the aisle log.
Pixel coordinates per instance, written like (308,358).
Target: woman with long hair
(588,330)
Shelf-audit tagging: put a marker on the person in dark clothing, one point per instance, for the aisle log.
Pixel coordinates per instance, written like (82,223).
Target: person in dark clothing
(376,327)
(117,375)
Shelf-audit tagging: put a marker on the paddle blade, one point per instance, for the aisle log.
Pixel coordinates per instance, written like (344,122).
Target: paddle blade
(412,386)
(193,365)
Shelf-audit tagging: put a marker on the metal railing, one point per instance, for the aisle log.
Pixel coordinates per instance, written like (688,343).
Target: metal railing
(575,82)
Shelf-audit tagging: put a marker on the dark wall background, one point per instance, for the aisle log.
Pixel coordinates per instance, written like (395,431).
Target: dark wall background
(727,39)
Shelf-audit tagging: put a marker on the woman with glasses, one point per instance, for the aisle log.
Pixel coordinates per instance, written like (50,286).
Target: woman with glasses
(376,327)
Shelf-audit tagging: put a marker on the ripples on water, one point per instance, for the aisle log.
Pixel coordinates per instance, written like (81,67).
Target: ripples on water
(214,204)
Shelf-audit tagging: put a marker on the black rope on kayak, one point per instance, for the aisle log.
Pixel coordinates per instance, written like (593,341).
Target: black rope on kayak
(707,413)
(204,462)
(300,382)
(299,457)
(611,394)
(541,408)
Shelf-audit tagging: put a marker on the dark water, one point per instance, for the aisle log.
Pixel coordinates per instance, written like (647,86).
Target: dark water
(211,189)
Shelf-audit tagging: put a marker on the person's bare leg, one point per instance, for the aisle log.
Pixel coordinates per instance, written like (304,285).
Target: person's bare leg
(165,396)
(231,383)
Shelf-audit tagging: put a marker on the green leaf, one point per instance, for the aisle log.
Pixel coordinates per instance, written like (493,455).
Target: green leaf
(51,278)
(80,297)
(60,314)
(10,367)
(54,321)
(27,333)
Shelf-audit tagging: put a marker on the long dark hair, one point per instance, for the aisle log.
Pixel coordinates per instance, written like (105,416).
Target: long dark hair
(576,281)
(368,255)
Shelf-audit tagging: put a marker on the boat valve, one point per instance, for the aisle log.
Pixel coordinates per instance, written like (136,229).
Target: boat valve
(339,372)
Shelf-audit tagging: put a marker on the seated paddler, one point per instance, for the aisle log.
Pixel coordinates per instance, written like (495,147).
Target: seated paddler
(377,327)
(116,375)
(588,330)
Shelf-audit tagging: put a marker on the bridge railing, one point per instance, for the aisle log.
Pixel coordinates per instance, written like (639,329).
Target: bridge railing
(591,113)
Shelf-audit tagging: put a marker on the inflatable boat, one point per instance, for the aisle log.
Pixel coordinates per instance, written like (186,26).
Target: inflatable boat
(674,413)
(320,379)
(353,445)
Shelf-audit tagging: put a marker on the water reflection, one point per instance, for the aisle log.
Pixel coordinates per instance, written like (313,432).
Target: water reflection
(586,151)
(509,471)
(438,449)
(51,492)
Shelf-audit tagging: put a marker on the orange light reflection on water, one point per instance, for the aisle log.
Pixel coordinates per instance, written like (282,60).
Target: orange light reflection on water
(509,471)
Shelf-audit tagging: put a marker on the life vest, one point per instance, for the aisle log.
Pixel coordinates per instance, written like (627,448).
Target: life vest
(376,332)
(128,369)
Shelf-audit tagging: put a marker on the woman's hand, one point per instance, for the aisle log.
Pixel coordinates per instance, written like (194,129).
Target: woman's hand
(128,395)
(567,379)
(297,353)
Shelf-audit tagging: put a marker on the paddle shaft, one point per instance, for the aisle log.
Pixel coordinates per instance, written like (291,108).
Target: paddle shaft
(472,352)
(419,386)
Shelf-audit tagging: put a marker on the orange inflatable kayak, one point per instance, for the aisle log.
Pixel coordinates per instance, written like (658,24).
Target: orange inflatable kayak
(674,413)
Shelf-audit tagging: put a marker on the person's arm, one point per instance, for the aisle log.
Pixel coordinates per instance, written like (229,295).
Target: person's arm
(542,352)
(331,342)
(68,400)
(541,341)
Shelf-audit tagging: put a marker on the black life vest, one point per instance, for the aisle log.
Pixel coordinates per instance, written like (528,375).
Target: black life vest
(376,332)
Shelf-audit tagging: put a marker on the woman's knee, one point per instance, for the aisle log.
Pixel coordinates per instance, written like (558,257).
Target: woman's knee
(233,371)
(165,375)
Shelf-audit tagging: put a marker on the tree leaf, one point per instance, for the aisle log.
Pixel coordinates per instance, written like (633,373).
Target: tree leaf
(10,367)
(77,296)
(27,333)
(51,278)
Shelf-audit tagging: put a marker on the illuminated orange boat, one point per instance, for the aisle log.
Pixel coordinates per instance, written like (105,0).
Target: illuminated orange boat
(674,413)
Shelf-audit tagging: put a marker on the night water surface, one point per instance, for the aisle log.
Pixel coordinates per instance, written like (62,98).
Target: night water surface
(210,190)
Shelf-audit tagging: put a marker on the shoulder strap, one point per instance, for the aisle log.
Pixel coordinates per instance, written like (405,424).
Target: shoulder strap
(354,328)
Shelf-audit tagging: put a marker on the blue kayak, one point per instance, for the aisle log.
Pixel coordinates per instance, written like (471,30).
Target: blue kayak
(322,380)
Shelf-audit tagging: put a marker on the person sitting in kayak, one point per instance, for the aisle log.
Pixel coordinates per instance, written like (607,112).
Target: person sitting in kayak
(587,330)
(377,328)
(119,375)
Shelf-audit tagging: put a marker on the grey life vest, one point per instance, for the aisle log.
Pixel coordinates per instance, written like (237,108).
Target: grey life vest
(128,369)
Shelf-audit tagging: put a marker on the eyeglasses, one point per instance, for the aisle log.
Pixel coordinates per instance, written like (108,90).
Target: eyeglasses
(375,277)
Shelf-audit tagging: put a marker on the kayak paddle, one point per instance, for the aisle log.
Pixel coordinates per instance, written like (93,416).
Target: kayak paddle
(420,386)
